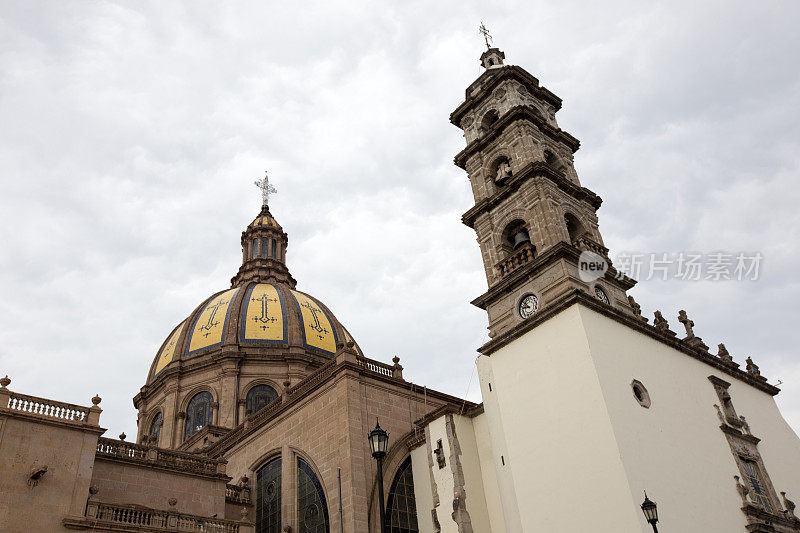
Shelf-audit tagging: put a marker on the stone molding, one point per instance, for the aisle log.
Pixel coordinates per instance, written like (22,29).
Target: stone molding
(518,112)
(529,171)
(578,296)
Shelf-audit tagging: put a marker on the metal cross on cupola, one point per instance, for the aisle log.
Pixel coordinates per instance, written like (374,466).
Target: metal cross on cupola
(486,35)
(266,189)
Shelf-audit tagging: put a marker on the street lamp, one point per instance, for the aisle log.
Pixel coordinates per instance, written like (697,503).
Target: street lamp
(378,439)
(650,510)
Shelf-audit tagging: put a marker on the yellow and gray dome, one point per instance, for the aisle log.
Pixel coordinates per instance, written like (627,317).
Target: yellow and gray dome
(254,318)
(262,315)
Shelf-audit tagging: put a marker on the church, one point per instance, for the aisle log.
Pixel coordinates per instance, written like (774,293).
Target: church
(261,414)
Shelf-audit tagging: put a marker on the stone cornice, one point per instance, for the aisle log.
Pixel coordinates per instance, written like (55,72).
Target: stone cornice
(637,324)
(491,79)
(520,112)
(529,171)
(561,250)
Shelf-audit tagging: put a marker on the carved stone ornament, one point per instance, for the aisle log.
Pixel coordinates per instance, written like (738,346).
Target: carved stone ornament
(723,354)
(687,324)
(466,122)
(172,502)
(97,399)
(752,368)
(5,382)
(660,322)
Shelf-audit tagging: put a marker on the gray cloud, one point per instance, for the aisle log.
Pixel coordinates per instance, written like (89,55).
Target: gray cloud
(133,132)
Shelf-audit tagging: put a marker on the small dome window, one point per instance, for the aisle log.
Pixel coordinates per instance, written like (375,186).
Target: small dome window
(198,413)
(259,397)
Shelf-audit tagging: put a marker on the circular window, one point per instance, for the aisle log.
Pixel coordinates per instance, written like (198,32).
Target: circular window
(601,295)
(640,393)
(528,306)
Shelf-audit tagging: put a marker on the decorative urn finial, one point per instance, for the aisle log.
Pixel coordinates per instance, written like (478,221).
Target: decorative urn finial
(5,382)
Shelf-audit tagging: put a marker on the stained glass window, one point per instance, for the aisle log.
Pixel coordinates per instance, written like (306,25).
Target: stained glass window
(757,488)
(401,510)
(155,427)
(268,497)
(259,397)
(312,510)
(198,413)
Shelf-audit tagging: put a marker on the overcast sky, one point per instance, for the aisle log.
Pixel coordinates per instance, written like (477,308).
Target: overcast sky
(132,133)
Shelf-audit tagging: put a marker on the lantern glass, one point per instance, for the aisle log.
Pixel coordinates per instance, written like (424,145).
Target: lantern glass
(650,510)
(378,441)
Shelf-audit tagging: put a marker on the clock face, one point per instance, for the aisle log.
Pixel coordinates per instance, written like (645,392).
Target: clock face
(601,295)
(528,305)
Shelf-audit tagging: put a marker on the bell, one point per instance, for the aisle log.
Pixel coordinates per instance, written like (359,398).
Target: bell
(521,237)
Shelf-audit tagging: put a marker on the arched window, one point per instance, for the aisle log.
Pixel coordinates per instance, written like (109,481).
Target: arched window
(312,509)
(253,247)
(489,119)
(515,235)
(198,413)
(574,227)
(259,397)
(268,497)
(263,247)
(401,509)
(155,428)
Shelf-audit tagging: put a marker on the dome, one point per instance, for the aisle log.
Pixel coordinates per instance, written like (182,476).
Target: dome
(254,319)
(262,316)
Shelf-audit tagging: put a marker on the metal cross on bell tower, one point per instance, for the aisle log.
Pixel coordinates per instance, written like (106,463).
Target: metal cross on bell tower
(266,189)
(486,35)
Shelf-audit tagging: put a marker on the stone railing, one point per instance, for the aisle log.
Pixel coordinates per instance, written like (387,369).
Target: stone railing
(174,460)
(585,243)
(516,259)
(314,379)
(47,408)
(137,518)
(237,493)
(376,366)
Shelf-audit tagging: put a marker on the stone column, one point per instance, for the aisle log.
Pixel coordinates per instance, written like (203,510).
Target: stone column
(227,392)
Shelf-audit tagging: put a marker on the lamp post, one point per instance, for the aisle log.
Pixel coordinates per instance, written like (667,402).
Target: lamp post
(650,510)
(378,440)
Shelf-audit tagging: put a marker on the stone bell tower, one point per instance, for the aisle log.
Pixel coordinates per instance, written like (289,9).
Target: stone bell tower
(534,221)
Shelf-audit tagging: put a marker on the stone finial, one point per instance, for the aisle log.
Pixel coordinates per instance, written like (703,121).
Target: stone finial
(687,323)
(172,502)
(752,368)
(244,512)
(789,506)
(287,384)
(660,322)
(5,382)
(93,490)
(723,354)
(96,400)
(397,369)
(122,436)
(637,309)
(743,491)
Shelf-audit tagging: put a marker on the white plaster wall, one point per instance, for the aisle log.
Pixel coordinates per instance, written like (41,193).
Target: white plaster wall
(491,492)
(423,496)
(675,449)
(497,448)
(558,436)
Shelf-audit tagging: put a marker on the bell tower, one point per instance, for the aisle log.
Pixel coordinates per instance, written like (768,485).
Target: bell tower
(536,225)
